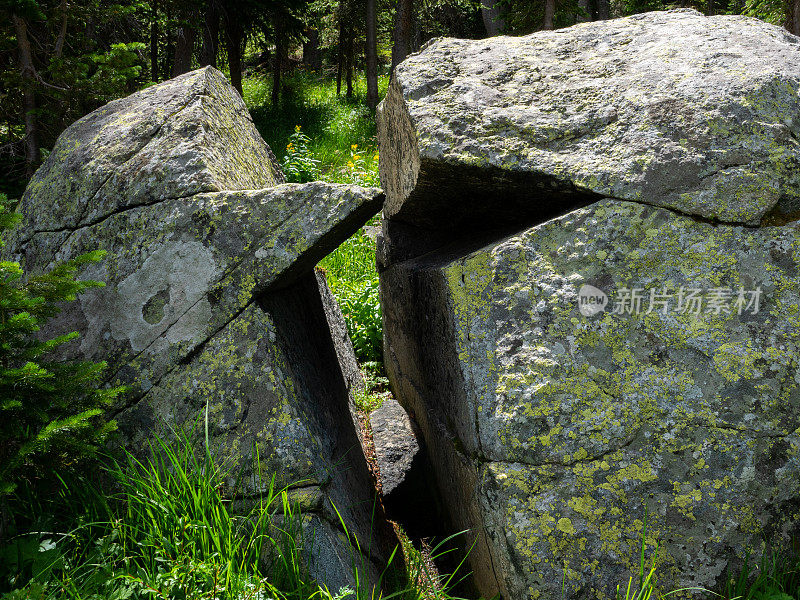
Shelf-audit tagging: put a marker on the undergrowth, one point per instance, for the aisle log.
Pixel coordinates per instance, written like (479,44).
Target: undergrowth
(169,531)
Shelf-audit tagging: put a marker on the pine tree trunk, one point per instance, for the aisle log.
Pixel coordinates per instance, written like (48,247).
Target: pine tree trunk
(492,21)
(58,48)
(403,26)
(184,48)
(349,63)
(234,36)
(154,41)
(28,73)
(603,10)
(280,42)
(549,13)
(170,53)
(372,55)
(208,56)
(312,57)
(795,29)
(340,62)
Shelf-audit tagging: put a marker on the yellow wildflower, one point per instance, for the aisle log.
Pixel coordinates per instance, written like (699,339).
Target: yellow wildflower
(353,147)
(356,157)
(350,164)
(297,127)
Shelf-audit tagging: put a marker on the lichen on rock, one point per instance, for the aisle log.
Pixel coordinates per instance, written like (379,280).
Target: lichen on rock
(654,153)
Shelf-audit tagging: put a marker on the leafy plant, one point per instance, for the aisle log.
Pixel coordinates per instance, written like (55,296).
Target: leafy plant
(51,413)
(776,578)
(299,165)
(362,168)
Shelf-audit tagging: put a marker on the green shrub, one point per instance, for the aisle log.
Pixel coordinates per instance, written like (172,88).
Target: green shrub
(298,164)
(51,413)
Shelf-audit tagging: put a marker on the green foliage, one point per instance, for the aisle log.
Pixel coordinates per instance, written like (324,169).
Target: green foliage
(83,53)
(776,578)
(335,143)
(299,165)
(361,169)
(332,123)
(772,11)
(372,395)
(168,533)
(172,531)
(353,279)
(51,413)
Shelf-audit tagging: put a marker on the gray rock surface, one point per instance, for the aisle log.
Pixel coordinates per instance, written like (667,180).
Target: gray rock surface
(211,305)
(396,443)
(554,435)
(691,113)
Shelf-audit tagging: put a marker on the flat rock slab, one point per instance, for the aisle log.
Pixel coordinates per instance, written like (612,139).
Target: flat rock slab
(698,114)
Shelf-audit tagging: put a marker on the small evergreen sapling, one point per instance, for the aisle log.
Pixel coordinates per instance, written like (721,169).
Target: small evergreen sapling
(51,412)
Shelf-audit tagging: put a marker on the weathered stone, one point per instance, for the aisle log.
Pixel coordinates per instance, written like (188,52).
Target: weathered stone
(187,135)
(555,436)
(571,431)
(180,269)
(211,308)
(687,112)
(396,443)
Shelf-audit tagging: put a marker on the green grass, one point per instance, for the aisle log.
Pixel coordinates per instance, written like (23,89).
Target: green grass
(334,123)
(170,532)
(353,279)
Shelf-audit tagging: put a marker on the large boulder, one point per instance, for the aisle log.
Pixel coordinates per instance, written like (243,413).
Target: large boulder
(575,399)
(211,308)
(694,114)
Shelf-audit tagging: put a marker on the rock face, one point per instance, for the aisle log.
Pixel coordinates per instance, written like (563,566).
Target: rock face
(396,443)
(211,304)
(560,427)
(694,114)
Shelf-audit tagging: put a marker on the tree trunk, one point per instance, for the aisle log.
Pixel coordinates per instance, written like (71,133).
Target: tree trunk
(184,47)
(372,55)
(169,55)
(795,14)
(312,57)
(549,13)
(233,44)
(280,42)
(492,20)
(603,10)
(154,41)
(58,48)
(28,73)
(340,62)
(208,56)
(403,25)
(349,63)
(584,12)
